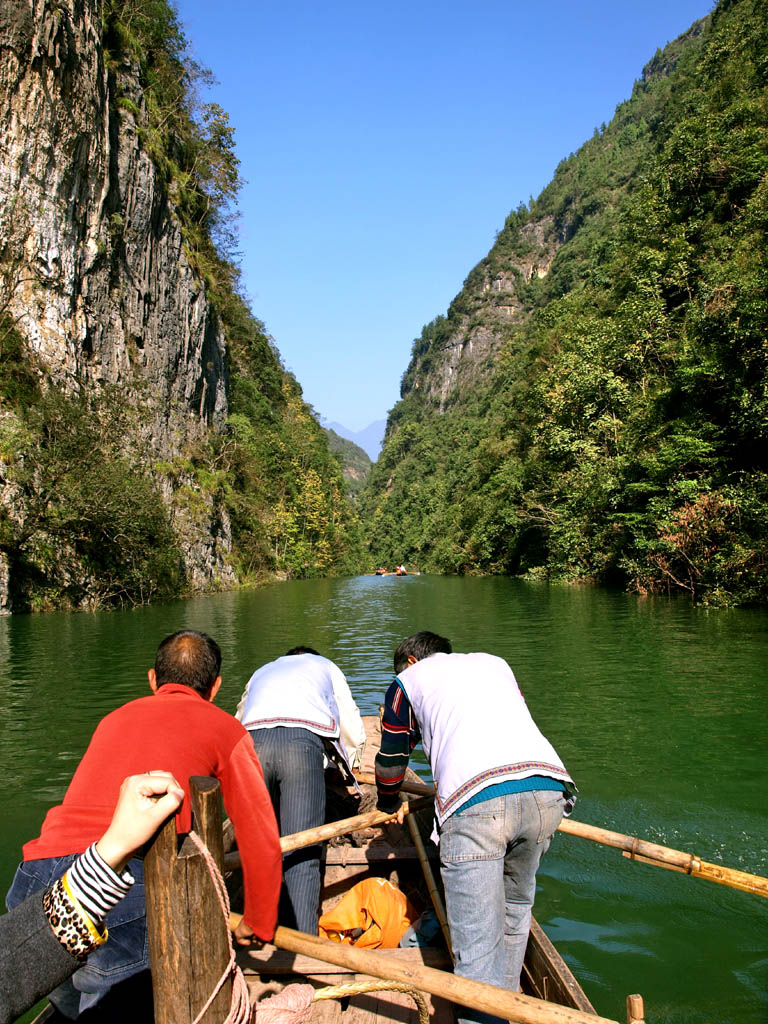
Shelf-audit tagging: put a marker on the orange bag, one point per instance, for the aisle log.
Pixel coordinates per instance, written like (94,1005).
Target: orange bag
(375,906)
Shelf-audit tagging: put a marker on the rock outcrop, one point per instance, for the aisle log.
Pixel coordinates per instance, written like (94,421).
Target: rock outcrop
(481,317)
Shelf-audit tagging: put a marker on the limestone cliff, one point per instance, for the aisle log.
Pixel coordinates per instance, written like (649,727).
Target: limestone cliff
(93,268)
(461,351)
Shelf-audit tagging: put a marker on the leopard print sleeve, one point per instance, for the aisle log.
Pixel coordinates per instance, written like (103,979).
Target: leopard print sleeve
(69,922)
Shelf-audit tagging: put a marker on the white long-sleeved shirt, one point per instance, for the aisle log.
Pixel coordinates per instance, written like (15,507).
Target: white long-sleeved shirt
(307,691)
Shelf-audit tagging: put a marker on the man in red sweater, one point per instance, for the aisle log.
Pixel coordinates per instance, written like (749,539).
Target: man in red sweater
(178,729)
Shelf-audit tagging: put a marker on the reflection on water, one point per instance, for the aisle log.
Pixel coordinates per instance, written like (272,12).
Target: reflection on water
(657,708)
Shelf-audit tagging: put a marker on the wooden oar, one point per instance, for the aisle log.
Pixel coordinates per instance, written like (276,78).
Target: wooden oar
(310,836)
(636,849)
(512,1006)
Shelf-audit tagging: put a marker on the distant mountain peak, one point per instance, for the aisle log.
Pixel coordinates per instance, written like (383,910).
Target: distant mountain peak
(369,439)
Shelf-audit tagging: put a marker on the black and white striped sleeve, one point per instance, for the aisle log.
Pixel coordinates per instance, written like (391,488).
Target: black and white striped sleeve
(95,885)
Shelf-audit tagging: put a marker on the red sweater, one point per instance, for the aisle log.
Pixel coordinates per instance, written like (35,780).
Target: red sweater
(179,731)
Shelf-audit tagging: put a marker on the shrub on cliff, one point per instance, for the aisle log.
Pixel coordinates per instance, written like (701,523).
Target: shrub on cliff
(87,525)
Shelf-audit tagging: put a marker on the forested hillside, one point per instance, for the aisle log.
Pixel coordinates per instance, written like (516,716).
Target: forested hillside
(355,463)
(593,406)
(151,441)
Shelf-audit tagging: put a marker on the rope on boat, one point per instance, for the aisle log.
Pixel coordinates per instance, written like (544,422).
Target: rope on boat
(240,1007)
(294,1004)
(359,987)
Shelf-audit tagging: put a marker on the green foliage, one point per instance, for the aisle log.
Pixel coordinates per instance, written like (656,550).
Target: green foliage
(19,386)
(90,526)
(621,436)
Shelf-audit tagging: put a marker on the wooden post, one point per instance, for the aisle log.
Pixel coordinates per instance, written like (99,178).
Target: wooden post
(635,1010)
(188,942)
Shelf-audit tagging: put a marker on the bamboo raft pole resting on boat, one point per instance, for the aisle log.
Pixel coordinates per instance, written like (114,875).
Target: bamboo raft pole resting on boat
(310,836)
(637,849)
(511,1006)
(429,878)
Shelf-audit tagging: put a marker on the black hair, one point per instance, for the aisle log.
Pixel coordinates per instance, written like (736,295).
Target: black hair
(419,646)
(189,658)
(302,650)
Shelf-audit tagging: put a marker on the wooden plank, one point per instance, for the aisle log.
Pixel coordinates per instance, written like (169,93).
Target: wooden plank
(259,989)
(635,1010)
(380,963)
(389,1006)
(362,1009)
(168,927)
(187,932)
(401,1006)
(326,1011)
(372,725)
(210,956)
(442,1011)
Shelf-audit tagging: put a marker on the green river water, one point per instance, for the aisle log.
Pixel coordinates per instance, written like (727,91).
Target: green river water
(657,708)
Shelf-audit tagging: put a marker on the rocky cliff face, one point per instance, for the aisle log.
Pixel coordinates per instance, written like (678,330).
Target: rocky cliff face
(93,268)
(481,317)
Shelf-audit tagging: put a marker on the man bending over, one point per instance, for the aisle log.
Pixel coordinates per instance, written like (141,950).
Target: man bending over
(297,709)
(501,793)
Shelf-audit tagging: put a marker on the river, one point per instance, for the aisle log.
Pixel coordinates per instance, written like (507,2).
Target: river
(657,708)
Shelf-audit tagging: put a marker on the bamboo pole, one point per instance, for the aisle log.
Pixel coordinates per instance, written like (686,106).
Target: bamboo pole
(429,877)
(664,857)
(310,836)
(638,849)
(511,1006)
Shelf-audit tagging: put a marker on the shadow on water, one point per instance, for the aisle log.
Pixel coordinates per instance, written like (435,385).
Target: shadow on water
(657,708)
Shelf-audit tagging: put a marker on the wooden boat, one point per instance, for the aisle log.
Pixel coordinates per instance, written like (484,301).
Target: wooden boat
(390,852)
(191,954)
(400,574)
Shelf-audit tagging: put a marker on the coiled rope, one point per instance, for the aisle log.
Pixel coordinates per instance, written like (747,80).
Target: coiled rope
(357,987)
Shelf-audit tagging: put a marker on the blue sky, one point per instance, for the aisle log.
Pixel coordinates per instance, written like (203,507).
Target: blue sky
(383,145)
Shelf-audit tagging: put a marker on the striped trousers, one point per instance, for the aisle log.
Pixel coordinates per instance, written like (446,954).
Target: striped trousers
(292,761)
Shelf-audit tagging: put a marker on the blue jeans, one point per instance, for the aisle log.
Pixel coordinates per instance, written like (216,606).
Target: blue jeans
(292,761)
(126,951)
(489,855)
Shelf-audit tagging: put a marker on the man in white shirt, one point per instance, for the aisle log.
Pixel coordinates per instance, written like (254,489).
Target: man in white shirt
(297,709)
(501,787)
